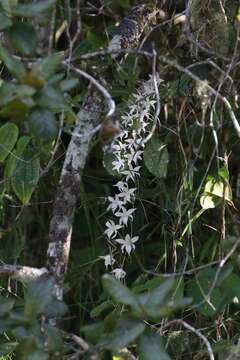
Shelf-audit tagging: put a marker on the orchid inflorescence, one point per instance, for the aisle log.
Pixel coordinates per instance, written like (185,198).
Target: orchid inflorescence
(128,151)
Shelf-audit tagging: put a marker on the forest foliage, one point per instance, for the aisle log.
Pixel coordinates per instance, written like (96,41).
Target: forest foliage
(119,191)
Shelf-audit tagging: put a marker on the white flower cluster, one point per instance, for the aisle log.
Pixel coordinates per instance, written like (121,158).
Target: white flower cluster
(128,151)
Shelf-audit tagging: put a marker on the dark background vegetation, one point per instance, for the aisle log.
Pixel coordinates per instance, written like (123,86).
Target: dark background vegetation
(201,140)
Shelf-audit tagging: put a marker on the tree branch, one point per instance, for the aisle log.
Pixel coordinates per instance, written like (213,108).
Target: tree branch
(22,273)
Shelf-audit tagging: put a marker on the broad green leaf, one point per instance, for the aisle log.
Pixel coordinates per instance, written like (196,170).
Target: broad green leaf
(224,173)
(8,137)
(209,201)
(93,332)
(24,38)
(22,144)
(43,124)
(95,41)
(156,298)
(28,350)
(119,292)
(68,84)
(14,65)
(55,309)
(126,331)
(39,296)
(16,110)
(97,310)
(53,338)
(150,346)
(55,79)
(215,190)
(50,98)
(149,285)
(199,288)
(9,168)
(25,175)
(33,9)
(156,157)
(10,92)
(46,67)
(6,305)
(231,285)
(5,22)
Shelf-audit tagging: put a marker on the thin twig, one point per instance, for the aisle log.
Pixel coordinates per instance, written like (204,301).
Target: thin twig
(195,331)
(216,277)
(110,101)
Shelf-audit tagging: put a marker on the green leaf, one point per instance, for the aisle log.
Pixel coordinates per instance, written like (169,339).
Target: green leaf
(126,331)
(93,332)
(68,84)
(156,157)
(10,92)
(34,9)
(24,38)
(5,22)
(216,189)
(150,346)
(14,65)
(95,41)
(231,285)
(55,309)
(46,67)
(53,338)
(97,310)
(149,285)
(43,124)
(9,168)
(199,288)
(39,295)
(209,201)
(156,298)
(8,137)
(16,110)
(50,98)
(25,175)
(6,305)
(119,292)
(28,350)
